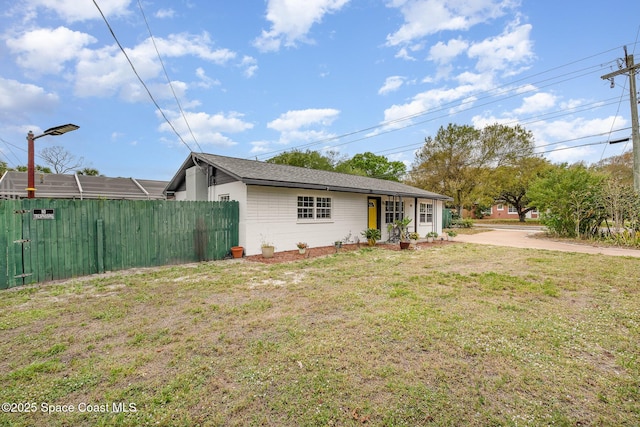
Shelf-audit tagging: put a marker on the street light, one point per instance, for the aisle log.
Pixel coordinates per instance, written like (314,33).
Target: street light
(58,130)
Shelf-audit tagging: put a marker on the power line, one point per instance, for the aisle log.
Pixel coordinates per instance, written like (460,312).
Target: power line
(416,146)
(487,95)
(138,76)
(153,40)
(9,145)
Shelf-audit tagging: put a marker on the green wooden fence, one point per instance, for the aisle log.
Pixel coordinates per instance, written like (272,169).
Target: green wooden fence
(447,218)
(49,239)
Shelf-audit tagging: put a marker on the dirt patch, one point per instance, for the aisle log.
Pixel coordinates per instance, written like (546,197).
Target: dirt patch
(295,255)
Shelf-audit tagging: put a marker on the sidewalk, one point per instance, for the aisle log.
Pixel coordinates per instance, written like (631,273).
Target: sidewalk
(523,239)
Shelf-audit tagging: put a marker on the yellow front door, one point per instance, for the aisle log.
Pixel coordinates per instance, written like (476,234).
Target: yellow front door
(373,213)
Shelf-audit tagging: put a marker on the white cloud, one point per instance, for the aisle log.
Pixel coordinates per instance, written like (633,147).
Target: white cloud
(207,128)
(260,147)
(445,52)
(19,100)
(177,45)
(426,17)
(535,103)
(480,122)
(404,54)
(250,65)
(561,130)
(105,71)
(502,52)
(165,13)
(391,84)
(564,140)
(294,120)
(423,102)
(205,81)
(291,21)
(293,125)
(74,10)
(46,51)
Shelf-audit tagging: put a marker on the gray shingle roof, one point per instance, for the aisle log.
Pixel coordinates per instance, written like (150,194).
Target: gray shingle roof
(64,186)
(254,172)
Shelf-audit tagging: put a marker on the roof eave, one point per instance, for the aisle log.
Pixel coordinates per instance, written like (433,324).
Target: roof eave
(308,186)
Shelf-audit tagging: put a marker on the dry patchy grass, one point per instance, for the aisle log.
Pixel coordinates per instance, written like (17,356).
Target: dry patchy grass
(449,335)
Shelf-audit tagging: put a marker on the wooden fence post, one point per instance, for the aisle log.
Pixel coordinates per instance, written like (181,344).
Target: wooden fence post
(100,245)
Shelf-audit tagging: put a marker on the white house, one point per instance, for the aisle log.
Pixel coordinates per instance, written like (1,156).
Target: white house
(283,205)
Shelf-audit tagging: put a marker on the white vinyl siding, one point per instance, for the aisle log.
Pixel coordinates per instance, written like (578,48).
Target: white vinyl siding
(272,213)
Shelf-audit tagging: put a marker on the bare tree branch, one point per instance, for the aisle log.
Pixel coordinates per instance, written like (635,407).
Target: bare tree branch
(60,159)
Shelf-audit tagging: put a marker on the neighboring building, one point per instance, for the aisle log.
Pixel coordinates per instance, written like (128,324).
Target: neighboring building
(506,211)
(13,185)
(284,205)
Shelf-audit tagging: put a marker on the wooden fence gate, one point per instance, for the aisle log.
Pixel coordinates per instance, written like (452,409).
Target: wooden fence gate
(50,239)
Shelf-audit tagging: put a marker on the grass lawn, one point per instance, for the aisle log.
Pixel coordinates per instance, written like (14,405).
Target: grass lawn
(449,336)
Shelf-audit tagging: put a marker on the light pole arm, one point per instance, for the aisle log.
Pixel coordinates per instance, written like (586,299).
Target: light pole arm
(31,168)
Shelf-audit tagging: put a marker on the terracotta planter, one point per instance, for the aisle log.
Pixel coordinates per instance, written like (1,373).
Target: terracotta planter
(404,245)
(236,251)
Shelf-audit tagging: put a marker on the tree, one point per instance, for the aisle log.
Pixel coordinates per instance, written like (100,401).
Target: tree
(37,168)
(3,167)
(570,199)
(512,182)
(61,160)
(457,161)
(305,159)
(88,171)
(619,167)
(375,166)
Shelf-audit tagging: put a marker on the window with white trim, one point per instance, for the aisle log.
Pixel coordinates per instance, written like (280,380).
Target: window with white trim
(513,210)
(310,208)
(393,211)
(500,207)
(426,212)
(223,198)
(323,207)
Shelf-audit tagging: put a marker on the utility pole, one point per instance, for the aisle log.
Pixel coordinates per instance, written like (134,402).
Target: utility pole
(635,134)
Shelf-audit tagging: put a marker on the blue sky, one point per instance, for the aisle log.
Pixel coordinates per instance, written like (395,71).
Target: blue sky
(254,78)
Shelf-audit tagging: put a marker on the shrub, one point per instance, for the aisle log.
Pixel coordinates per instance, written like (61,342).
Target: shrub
(462,223)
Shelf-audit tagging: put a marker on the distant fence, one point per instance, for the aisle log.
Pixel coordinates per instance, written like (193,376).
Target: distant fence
(49,239)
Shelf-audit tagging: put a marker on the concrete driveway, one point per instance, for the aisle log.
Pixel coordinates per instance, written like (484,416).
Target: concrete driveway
(522,238)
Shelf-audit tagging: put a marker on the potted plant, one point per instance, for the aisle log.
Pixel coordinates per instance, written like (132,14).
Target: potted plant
(413,239)
(338,245)
(402,225)
(236,251)
(372,235)
(451,234)
(267,248)
(302,247)
(431,236)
